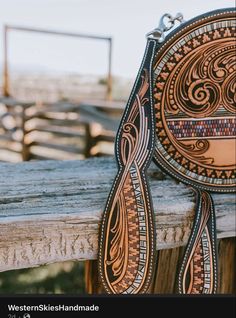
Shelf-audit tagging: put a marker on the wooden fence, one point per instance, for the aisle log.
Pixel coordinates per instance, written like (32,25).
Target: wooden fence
(50,212)
(60,130)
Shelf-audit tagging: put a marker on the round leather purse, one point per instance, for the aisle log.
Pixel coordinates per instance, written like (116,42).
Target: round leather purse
(181,114)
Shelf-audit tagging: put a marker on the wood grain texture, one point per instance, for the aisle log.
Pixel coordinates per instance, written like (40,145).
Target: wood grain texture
(92,282)
(50,210)
(167,270)
(227,265)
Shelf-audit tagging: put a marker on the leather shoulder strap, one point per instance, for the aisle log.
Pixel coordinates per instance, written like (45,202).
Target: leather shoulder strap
(127,236)
(198,271)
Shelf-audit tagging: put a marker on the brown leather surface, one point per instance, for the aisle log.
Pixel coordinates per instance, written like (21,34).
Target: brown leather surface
(195,100)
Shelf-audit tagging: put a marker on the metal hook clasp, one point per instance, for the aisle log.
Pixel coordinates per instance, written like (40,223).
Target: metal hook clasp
(166,23)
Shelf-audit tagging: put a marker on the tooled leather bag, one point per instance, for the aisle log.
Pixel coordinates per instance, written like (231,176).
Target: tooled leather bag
(181,114)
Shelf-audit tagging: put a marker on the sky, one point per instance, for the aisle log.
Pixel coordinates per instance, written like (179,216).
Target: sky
(127,21)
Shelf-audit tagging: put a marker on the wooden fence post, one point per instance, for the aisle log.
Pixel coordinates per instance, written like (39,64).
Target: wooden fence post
(227,265)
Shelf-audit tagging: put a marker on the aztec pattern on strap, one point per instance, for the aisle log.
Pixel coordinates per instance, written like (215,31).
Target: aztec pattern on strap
(198,274)
(127,243)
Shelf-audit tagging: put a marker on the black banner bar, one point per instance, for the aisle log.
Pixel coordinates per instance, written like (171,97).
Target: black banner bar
(30,306)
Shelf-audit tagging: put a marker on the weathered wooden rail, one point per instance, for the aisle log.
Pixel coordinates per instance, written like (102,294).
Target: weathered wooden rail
(50,210)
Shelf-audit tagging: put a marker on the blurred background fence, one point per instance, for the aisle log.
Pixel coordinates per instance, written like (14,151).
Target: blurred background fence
(68,128)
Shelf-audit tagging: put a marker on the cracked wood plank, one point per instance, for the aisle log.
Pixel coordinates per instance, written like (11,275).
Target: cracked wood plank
(50,210)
